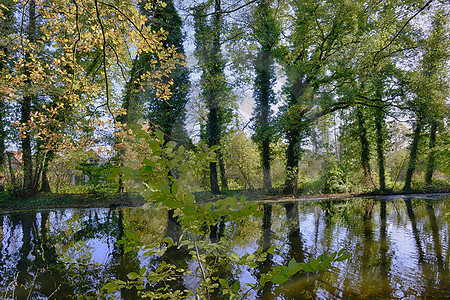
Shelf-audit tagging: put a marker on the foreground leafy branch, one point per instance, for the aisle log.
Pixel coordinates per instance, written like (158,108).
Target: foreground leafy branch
(211,256)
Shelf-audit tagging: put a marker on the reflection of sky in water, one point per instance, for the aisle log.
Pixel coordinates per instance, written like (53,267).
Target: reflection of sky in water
(100,249)
(404,264)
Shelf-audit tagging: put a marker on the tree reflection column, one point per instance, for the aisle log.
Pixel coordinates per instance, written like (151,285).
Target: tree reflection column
(266,266)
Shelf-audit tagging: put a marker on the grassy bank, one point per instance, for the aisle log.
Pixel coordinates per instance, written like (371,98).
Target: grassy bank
(49,200)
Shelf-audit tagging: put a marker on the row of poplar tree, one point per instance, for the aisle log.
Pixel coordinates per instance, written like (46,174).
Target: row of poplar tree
(73,72)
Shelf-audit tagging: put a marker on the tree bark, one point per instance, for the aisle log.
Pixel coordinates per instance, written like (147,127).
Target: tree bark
(223,173)
(263,97)
(365,147)
(213,116)
(379,122)
(292,159)
(212,141)
(431,165)
(7,28)
(265,157)
(45,184)
(25,109)
(413,155)
(11,171)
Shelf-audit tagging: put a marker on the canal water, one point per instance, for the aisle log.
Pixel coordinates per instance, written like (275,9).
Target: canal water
(399,247)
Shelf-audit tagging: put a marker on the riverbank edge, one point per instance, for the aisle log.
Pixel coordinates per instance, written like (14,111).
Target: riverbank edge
(52,201)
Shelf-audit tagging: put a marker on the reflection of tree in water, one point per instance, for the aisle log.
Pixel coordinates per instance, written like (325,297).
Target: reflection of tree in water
(294,235)
(367,279)
(302,285)
(375,261)
(37,267)
(434,269)
(442,268)
(385,261)
(122,263)
(265,242)
(46,240)
(173,254)
(412,219)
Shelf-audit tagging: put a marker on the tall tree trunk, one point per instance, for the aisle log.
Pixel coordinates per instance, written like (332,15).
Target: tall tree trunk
(223,173)
(212,141)
(45,185)
(25,109)
(432,156)
(265,157)
(413,155)
(379,122)
(292,159)
(11,171)
(213,101)
(214,87)
(2,129)
(169,114)
(266,31)
(263,97)
(365,147)
(7,28)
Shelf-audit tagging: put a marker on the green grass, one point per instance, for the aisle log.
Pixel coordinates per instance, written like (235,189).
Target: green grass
(48,200)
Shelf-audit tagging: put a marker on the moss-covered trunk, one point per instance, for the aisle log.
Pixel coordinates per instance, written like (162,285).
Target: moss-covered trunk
(25,109)
(379,123)
(413,156)
(365,146)
(431,165)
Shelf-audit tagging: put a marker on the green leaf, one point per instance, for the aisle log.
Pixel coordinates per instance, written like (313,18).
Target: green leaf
(279,279)
(142,271)
(132,275)
(175,186)
(252,264)
(180,150)
(168,240)
(236,286)
(285,271)
(159,135)
(343,257)
(271,250)
(131,235)
(223,283)
(171,144)
(165,189)
(263,280)
(293,267)
(234,256)
(333,256)
(147,162)
(112,286)
(189,211)
(189,199)
(126,170)
(170,202)
(306,267)
(314,263)
(154,145)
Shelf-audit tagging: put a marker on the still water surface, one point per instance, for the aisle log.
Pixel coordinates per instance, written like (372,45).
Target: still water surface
(399,247)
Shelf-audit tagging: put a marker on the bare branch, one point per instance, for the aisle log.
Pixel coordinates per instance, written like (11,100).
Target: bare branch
(104,60)
(401,29)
